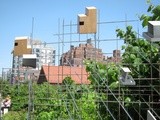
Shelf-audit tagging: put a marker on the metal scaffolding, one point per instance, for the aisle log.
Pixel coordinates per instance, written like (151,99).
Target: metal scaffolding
(146,91)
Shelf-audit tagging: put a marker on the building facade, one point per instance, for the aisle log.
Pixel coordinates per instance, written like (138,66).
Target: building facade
(76,55)
(116,58)
(24,45)
(45,55)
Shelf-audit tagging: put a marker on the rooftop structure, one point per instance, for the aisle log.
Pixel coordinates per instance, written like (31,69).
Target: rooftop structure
(76,55)
(56,74)
(87,23)
(116,57)
(22,46)
(23,55)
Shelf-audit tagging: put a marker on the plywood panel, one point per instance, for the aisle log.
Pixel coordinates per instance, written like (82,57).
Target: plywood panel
(87,23)
(20,47)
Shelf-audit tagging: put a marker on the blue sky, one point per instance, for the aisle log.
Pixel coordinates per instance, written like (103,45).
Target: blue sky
(16,19)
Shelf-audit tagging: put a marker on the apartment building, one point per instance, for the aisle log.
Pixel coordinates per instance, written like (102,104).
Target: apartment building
(45,55)
(25,46)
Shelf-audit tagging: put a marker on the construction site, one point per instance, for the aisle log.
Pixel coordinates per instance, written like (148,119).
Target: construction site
(87,76)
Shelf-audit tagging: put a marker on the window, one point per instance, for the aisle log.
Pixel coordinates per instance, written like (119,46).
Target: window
(37,60)
(37,50)
(81,23)
(49,52)
(16,44)
(37,55)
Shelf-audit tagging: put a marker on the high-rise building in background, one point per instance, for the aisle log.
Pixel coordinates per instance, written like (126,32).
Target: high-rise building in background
(45,55)
(25,46)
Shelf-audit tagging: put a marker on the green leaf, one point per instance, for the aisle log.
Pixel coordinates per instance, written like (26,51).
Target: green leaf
(157,18)
(127,101)
(114,85)
(129,28)
(132,56)
(150,8)
(156,10)
(135,49)
(120,33)
(145,21)
(137,61)
(148,1)
(123,47)
(142,17)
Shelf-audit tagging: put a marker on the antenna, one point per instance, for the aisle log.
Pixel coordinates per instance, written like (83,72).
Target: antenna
(31,39)
(30,102)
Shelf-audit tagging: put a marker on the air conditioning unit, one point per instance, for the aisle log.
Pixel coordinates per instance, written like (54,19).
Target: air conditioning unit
(153,33)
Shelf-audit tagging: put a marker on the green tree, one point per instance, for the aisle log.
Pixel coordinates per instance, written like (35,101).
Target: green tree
(68,81)
(101,74)
(154,14)
(138,53)
(103,77)
(142,57)
(15,115)
(49,102)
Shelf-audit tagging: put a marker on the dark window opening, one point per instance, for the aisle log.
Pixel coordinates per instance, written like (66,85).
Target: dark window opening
(37,50)
(16,44)
(81,23)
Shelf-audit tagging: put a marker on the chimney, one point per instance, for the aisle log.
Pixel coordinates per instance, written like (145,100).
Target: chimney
(116,53)
(71,47)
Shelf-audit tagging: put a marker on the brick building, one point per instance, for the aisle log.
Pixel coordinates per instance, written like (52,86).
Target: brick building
(76,55)
(116,56)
